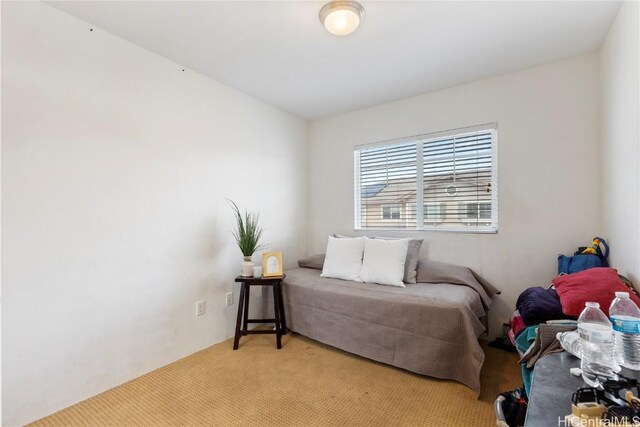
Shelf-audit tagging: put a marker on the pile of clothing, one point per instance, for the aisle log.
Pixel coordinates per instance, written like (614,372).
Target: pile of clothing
(543,312)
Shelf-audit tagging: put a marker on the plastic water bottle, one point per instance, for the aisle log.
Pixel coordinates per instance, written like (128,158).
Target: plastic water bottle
(598,352)
(625,317)
(571,342)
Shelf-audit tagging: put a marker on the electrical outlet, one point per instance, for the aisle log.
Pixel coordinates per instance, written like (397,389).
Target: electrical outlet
(200,308)
(229,298)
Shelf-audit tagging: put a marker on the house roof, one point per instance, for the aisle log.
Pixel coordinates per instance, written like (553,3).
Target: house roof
(372,190)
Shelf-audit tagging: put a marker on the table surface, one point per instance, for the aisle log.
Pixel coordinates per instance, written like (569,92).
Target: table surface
(552,388)
(260,280)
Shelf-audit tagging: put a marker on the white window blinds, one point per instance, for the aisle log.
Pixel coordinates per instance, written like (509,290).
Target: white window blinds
(452,174)
(387,177)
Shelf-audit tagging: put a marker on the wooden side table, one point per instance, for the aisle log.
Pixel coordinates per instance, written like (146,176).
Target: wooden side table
(243,320)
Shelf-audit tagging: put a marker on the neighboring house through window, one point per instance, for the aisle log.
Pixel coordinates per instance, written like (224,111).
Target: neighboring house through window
(453,174)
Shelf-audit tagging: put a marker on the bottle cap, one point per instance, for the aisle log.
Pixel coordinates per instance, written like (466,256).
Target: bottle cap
(592,304)
(622,294)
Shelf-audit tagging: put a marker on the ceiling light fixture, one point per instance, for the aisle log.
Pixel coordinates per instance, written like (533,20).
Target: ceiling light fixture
(341,17)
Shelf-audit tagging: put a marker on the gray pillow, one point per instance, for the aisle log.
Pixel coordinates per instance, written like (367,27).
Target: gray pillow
(411,262)
(316,262)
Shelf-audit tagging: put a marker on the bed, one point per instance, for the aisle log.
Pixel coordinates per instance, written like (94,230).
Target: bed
(427,328)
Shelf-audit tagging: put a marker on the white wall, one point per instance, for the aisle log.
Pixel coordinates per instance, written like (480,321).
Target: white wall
(620,205)
(115,166)
(548,160)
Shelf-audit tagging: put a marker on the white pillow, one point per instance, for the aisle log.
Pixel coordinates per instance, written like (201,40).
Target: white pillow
(384,261)
(344,258)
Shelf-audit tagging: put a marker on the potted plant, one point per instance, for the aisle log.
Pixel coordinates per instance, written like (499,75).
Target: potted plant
(247,235)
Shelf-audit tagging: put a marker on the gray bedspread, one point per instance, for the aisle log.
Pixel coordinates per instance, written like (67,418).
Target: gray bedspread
(427,328)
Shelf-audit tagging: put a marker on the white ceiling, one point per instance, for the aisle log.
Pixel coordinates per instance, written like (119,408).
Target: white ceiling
(280,53)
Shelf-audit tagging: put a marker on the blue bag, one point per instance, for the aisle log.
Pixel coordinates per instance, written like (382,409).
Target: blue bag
(581,261)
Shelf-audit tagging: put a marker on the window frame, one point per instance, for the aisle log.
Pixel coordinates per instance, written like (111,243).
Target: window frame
(421,226)
(478,217)
(390,206)
(441,210)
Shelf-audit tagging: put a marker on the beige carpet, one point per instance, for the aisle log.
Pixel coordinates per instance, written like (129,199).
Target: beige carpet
(304,384)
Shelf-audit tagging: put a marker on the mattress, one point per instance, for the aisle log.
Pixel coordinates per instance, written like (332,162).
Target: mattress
(426,328)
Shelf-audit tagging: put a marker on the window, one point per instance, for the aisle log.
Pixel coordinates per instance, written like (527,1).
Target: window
(434,212)
(476,212)
(391,212)
(452,173)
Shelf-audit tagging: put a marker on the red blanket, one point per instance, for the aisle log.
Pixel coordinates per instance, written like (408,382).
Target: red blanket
(595,284)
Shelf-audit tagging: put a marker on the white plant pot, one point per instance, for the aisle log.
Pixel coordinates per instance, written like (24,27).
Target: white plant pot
(246,268)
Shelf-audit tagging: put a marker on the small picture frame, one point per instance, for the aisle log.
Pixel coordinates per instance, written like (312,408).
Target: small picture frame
(272,264)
